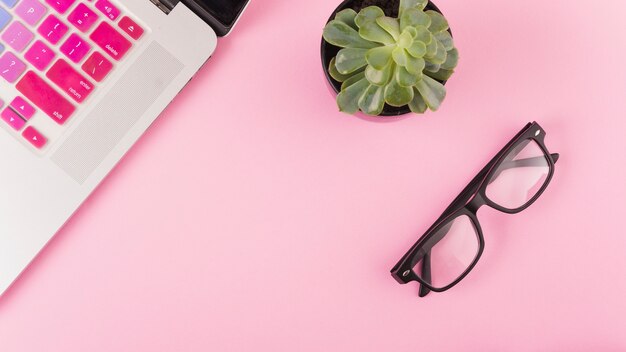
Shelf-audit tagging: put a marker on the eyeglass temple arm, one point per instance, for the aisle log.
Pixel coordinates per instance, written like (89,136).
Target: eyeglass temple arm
(464,197)
(425,275)
(528,162)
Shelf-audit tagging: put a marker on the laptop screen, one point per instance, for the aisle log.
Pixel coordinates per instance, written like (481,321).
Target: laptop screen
(225,12)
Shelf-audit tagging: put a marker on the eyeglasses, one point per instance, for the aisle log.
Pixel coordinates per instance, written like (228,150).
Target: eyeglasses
(510,183)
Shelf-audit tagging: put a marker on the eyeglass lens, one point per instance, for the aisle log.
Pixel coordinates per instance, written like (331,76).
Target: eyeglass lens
(450,251)
(520,177)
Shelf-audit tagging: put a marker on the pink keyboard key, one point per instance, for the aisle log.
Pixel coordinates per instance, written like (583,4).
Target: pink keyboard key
(108,9)
(31,11)
(97,66)
(82,18)
(39,55)
(45,97)
(70,81)
(60,5)
(11,68)
(14,120)
(52,29)
(131,27)
(75,48)
(17,36)
(112,42)
(23,108)
(34,137)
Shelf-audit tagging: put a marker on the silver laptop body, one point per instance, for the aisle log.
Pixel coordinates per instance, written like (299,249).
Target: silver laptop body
(41,186)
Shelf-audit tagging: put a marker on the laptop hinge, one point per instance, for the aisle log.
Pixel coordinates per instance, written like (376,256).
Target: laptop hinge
(165,5)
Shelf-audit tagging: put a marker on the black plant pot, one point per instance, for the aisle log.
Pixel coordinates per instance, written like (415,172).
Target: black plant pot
(329,51)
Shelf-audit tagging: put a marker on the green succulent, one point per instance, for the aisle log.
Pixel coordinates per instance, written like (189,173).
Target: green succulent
(398,61)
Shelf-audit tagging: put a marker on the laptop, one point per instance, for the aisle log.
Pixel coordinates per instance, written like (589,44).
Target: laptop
(80,82)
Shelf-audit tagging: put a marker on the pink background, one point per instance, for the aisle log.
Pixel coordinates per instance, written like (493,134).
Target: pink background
(255,217)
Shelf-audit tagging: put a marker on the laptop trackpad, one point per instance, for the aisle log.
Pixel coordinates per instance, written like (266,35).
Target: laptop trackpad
(100,131)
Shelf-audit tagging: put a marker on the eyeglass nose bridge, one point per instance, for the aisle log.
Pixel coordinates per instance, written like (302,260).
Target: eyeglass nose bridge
(475,203)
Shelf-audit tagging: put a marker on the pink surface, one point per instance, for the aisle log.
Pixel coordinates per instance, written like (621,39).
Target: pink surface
(255,217)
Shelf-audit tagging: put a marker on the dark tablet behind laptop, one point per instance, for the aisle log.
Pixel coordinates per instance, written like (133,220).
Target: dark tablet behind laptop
(219,14)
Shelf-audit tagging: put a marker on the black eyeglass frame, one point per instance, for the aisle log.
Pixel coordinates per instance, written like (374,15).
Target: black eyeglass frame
(472,198)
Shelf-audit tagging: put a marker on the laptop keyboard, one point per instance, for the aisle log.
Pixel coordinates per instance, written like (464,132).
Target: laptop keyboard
(56,54)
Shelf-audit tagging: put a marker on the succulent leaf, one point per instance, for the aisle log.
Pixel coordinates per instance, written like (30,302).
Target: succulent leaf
(373,100)
(417,49)
(416,66)
(405,40)
(379,57)
(397,95)
(452,60)
(406,78)
(432,91)
(441,75)
(380,77)
(445,38)
(352,80)
(417,105)
(367,15)
(349,60)
(440,55)
(430,67)
(412,4)
(340,34)
(412,31)
(373,32)
(438,22)
(336,75)
(423,35)
(391,25)
(413,18)
(348,99)
(347,16)
(400,56)
(431,48)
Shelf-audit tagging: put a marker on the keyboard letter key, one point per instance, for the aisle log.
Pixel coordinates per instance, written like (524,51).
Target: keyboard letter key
(75,48)
(131,27)
(9,3)
(23,108)
(17,36)
(112,42)
(14,120)
(39,55)
(31,11)
(52,29)
(83,18)
(97,66)
(64,76)
(5,18)
(11,68)
(34,137)
(108,9)
(60,5)
(45,97)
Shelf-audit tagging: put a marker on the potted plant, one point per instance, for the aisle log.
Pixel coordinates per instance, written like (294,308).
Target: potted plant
(390,59)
